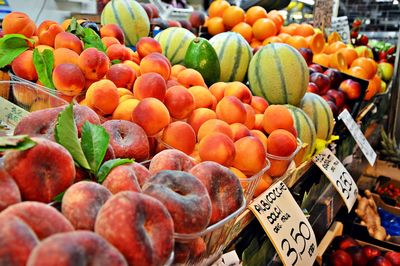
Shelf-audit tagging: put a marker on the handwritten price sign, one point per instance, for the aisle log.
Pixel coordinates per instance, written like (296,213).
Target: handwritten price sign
(358,136)
(323,10)
(338,175)
(286,226)
(10,113)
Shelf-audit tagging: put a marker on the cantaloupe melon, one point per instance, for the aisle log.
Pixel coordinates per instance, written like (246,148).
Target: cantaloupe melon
(130,16)
(320,113)
(174,43)
(304,126)
(234,54)
(278,73)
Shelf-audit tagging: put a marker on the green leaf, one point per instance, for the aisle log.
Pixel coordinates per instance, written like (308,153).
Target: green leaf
(108,166)
(89,37)
(66,134)
(11,46)
(92,39)
(21,143)
(94,144)
(115,61)
(44,63)
(59,197)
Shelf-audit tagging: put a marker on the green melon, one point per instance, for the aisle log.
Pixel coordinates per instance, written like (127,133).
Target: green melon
(278,73)
(320,113)
(234,54)
(175,42)
(130,16)
(304,126)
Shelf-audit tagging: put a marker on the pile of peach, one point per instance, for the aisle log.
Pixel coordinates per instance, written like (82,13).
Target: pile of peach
(75,68)
(131,218)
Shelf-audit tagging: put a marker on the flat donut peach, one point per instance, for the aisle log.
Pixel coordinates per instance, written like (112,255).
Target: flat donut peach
(222,185)
(75,248)
(171,159)
(81,203)
(16,242)
(139,226)
(122,178)
(9,191)
(142,173)
(128,139)
(42,218)
(181,193)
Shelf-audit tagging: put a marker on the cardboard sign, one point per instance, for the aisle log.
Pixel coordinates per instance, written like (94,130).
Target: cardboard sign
(286,225)
(10,113)
(341,26)
(323,10)
(338,175)
(358,136)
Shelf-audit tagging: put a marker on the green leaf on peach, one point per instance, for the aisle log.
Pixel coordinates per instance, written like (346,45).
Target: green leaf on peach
(94,144)
(108,166)
(21,143)
(11,46)
(44,63)
(66,134)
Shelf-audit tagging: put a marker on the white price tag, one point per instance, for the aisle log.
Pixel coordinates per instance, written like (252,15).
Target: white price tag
(286,225)
(338,175)
(358,136)
(11,113)
(341,26)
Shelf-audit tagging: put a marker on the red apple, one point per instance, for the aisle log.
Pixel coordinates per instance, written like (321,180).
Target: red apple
(334,76)
(382,55)
(351,88)
(393,257)
(307,55)
(380,261)
(333,107)
(341,258)
(312,87)
(322,81)
(357,256)
(328,98)
(316,68)
(345,241)
(371,252)
(363,40)
(338,96)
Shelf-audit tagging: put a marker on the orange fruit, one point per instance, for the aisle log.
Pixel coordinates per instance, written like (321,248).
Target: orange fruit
(272,39)
(368,64)
(217,8)
(374,86)
(245,30)
(277,18)
(289,29)
(254,13)
(304,30)
(316,42)
(264,28)
(334,47)
(215,25)
(297,42)
(284,36)
(349,55)
(255,43)
(337,61)
(233,15)
(321,59)
(357,72)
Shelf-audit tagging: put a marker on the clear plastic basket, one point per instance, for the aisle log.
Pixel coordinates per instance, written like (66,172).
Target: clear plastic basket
(29,96)
(214,239)
(249,184)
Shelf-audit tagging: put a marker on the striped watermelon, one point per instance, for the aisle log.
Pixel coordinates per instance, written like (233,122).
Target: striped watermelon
(130,16)
(175,42)
(234,54)
(279,73)
(320,113)
(304,126)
